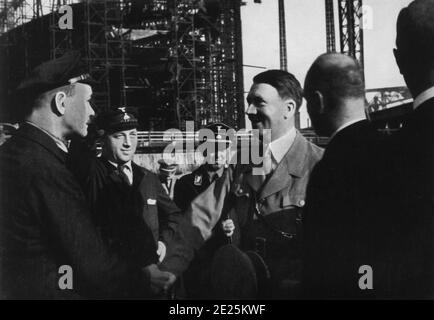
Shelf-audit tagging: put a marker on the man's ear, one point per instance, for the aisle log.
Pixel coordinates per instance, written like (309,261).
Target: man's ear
(59,102)
(292,106)
(319,101)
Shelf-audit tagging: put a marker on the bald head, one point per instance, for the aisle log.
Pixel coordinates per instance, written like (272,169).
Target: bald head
(334,90)
(337,77)
(415,44)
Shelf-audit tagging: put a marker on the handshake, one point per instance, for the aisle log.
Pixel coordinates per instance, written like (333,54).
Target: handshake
(162,281)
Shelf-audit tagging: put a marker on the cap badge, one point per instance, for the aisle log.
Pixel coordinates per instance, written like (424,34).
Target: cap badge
(198,180)
(79,78)
(219,136)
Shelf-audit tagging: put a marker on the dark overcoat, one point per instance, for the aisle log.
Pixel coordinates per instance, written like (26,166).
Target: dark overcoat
(45,223)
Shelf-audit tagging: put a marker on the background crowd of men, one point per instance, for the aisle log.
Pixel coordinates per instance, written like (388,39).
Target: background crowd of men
(299,226)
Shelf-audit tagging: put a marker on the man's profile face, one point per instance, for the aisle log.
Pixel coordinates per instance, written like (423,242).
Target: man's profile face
(78,111)
(266,109)
(120,146)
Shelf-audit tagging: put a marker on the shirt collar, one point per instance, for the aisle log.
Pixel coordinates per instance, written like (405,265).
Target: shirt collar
(280,146)
(347,124)
(127,165)
(59,142)
(424,96)
(218,173)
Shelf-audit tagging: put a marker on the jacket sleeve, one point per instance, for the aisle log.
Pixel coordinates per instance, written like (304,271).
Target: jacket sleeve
(197,224)
(168,214)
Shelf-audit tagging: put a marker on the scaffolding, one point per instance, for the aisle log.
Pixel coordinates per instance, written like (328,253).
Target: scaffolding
(206,57)
(60,40)
(282,37)
(330,26)
(178,59)
(351,28)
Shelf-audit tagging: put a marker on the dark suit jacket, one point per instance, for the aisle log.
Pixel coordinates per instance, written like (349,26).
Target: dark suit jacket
(45,223)
(337,224)
(132,219)
(409,206)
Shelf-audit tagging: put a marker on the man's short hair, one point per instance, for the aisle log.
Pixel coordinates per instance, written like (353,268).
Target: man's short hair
(415,32)
(284,82)
(336,83)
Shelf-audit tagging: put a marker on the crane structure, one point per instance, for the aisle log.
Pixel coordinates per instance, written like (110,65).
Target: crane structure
(350,16)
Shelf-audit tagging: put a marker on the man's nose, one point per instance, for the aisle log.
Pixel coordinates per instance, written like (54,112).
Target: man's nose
(91,111)
(251,109)
(127,141)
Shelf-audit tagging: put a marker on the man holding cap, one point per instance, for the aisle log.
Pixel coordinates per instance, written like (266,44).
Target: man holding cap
(135,215)
(49,247)
(187,188)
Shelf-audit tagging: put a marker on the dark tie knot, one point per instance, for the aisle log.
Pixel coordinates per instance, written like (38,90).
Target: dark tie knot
(122,168)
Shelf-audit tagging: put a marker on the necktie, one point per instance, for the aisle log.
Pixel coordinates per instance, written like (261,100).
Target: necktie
(122,174)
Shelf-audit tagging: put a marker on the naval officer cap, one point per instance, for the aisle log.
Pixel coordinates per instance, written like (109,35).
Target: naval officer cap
(167,166)
(116,120)
(52,74)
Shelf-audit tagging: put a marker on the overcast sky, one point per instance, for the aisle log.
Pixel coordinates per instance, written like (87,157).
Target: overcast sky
(306,39)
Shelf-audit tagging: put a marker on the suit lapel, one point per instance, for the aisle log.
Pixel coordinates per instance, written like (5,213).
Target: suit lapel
(279,180)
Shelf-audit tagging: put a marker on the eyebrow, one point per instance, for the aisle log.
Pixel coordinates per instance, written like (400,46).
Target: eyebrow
(254,98)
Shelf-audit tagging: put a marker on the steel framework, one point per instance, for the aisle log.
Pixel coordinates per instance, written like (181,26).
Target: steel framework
(282,37)
(330,26)
(351,28)
(206,59)
(203,54)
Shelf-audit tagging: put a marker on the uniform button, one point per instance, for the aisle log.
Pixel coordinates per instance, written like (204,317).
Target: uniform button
(301,203)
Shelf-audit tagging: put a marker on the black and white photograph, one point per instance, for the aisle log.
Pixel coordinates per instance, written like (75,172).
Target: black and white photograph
(218,155)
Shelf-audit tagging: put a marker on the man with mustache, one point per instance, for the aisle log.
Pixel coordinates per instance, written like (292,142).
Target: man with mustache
(267,203)
(45,224)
